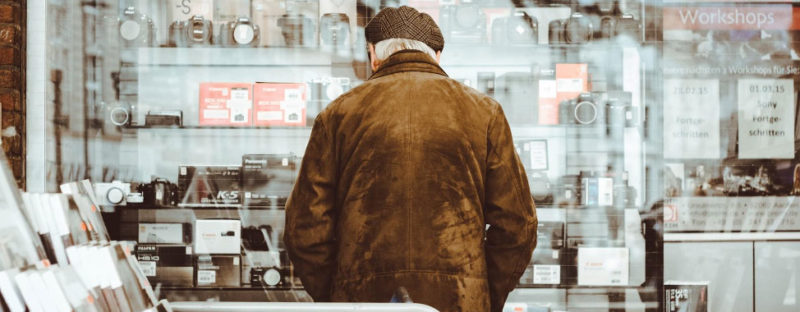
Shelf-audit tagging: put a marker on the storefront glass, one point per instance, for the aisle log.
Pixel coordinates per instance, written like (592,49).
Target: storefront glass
(658,137)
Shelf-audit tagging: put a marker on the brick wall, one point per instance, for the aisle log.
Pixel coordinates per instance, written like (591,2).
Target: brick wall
(12,84)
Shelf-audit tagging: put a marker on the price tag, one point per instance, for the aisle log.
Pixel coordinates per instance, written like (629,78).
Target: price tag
(205,277)
(546,274)
(766,118)
(691,118)
(148,268)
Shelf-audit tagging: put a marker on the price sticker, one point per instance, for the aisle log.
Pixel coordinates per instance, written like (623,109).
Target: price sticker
(148,268)
(205,277)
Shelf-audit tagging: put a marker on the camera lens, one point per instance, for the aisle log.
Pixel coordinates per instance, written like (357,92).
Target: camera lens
(585,112)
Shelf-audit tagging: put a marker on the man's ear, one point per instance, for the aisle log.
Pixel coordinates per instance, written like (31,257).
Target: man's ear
(373,58)
(438,56)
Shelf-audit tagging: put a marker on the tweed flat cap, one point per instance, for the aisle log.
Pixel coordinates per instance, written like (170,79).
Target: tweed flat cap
(404,22)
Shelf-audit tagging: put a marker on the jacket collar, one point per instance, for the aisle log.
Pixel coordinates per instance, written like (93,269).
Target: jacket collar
(407,61)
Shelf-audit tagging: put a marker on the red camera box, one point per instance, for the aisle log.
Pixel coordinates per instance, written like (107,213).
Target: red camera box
(226,104)
(280,104)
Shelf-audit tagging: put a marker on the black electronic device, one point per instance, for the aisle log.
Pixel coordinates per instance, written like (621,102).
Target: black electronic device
(119,113)
(519,28)
(267,180)
(463,23)
(197,31)
(587,109)
(168,265)
(217,271)
(555,31)
(170,118)
(334,32)
(136,29)
(239,33)
(541,189)
(578,28)
(269,277)
(566,191)
(627,25)
(619,110)
(297,30)
(160,193)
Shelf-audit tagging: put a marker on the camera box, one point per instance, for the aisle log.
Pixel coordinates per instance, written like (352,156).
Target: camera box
(685,296)
(164,233)
(267,180)
(169,265)
(571,81)
(602,266)
(217,236)
(225,104)
(209,185)
(218,271)
(280,104)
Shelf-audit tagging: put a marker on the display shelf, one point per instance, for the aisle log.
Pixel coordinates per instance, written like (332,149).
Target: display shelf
(481,55)
(218,56)
(203,207)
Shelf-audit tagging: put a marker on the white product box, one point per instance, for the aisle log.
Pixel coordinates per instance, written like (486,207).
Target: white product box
(603,266)
(217,236)
(161,233)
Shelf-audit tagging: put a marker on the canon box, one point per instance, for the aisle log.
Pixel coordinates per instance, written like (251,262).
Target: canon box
(209,185)
(217,237)
(164,233)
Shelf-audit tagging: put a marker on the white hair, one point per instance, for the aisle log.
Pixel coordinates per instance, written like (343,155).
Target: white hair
(386,48)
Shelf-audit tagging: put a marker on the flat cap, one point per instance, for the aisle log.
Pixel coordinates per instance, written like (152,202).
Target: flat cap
(404,22)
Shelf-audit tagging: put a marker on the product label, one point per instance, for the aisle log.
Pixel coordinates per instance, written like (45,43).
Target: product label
(546,274)
(148,268)
(548,102)
(766,118)
(691,118)
(206,277)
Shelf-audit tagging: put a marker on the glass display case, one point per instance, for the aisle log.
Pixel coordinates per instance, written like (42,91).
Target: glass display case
(191,117)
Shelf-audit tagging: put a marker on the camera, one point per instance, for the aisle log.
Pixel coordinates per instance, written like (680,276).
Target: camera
(160,193)
(555,31)
(578,28)
(119,113)
(334,32)
(193,32)
(587,109)
(268,277)
(325,90)
(520,28)
(116,193)
(136,29)
(239,33)
(297,30)
(620,111)
(540,188)
(465,23)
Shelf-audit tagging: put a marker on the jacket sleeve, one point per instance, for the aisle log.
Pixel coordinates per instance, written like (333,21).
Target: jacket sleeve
(509,212)
(311,216)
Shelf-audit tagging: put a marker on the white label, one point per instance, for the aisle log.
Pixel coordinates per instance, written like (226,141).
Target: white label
(285,162)
(569,85)
(215,114)
(240,94)
(148,268)
(603,266)
(605,191)
(205,277)
(538,155)
(293,95)
(691,118)
(766,118)
(546,274)
(269,115)
(547,89)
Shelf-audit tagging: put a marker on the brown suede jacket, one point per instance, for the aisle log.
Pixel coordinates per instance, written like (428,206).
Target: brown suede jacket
(398,183)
